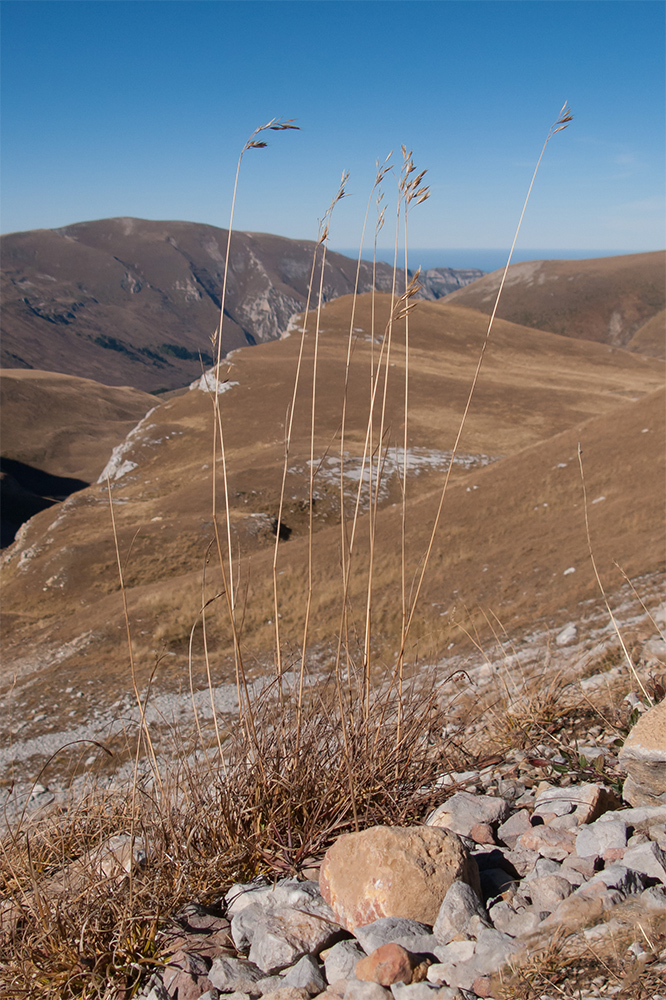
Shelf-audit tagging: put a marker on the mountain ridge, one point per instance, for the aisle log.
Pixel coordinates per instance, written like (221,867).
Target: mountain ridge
(134,301)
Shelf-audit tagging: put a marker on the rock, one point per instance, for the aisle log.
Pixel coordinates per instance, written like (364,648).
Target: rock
(184,984)
(567,635)
(597,838)
(388,964)
(243,924)
(586,802)
(615,876)
(584,866)
(518,924)
(494,881)
(458,907)
(482,833)
(247,904)
(647,858)
(547,892)
(423,991)
(283,935)
(654,898)
(555,844)
(577,910)
(542,867)
(393,872)
(306,974)
(463,811)
(510,789)
(644,758)
(268,985)
(357,990)
(288,993)
(340,960)
(521,860)
(517,824)
(450,954)
(637,815)
(412,935)
(483,987)
(234,975)
(493,949)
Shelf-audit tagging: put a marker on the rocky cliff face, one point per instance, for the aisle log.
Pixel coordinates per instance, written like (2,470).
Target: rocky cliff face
(128,301)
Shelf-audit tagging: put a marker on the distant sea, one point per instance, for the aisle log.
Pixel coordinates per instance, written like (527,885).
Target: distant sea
(486,260)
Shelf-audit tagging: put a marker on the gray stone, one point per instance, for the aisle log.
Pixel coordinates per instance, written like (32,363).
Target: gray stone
(597,838)
(586,802)
(306,973)
(463,811)
(654,898)
(287,892)
(412,935)
(234,974)
(523,923)
(543,867)
(357,990)
(449,954)
(247,907)
(547,892)
(458,907)
(510,789)
(618,877)
(283,935)
(637,815)
(493,949)
(509,831)
(522,860)
(421,991)
(268,985)
(341,960)
(648,858)
(244,922)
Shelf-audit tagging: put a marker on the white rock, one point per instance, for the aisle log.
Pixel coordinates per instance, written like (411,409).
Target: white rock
(458,907)
(648,858)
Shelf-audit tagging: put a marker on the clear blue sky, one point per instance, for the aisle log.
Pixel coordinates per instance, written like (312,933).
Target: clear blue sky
(141,108)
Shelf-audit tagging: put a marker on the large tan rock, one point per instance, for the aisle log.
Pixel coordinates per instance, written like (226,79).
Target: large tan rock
(393,872)
(644,758)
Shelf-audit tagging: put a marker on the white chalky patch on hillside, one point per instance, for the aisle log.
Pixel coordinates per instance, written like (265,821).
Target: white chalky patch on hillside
(118,465)
(210,383)
(393,462)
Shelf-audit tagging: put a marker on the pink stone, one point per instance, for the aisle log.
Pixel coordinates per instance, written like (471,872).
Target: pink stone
(549,842)
(482,833)
(390,963)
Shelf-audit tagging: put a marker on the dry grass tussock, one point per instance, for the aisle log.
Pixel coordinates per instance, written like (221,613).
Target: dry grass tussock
(78,919)
(85,891)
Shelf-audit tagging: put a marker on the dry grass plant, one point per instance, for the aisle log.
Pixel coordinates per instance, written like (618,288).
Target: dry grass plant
(311,756)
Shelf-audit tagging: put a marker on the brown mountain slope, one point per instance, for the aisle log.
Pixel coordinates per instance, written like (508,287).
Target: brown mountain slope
(57,434)
(510,531)
(650,338)
(128,301)
(65,425)
(607,299)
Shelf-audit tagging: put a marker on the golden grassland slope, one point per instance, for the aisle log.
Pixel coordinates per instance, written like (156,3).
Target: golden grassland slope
(511,534)
(607,299)
(64,425)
